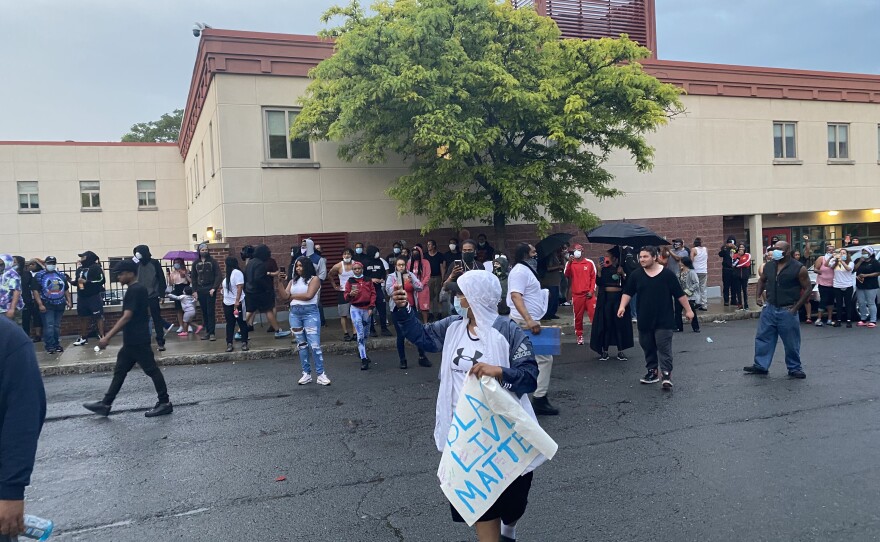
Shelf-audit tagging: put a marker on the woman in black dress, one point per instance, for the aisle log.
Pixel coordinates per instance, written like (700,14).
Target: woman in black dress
(607,328)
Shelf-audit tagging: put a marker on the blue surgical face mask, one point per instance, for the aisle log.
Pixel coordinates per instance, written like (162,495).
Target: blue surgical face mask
(357,276)
(396,250)
(359,250)
(177,266)
(462,311)
(50,267)
(777,254)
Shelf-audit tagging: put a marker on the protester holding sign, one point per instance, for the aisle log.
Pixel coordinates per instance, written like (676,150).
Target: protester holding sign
(477,341)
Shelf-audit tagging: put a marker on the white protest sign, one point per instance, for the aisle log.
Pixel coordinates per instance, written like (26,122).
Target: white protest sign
(491,441)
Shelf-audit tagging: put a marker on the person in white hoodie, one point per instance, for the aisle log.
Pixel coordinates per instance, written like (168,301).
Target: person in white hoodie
(477,341)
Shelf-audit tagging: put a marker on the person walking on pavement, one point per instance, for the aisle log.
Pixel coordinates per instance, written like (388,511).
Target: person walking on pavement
(89,283)
(206,278)
(360,292)
(700,257)
(785,285)
(657,288)
(727,275)
(52,300)
(151,277)
(23,407)
(581,273)
(477,332)
(528,302)
(134,325)
(867,269)
(607,329)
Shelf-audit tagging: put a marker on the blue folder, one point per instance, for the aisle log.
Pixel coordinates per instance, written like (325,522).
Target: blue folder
(548,342)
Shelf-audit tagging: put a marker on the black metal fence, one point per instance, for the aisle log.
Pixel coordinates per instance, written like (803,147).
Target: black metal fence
(113,290)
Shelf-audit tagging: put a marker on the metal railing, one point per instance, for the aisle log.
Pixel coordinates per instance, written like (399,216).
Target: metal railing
(113,292)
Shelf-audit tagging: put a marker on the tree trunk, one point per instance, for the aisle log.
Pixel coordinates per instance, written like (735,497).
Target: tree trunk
(499,221)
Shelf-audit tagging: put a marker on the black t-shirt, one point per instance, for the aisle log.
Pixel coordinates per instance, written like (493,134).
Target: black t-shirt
(436,260)
(656,297)
(373,269)
(137,330)
(94,279)
(726,258)
(868,267)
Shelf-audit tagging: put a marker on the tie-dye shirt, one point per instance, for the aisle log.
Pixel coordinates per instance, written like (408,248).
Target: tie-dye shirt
(10,281)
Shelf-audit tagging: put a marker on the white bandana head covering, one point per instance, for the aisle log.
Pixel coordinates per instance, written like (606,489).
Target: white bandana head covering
(482,290)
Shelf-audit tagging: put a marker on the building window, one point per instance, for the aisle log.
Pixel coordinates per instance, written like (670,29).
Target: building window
(279,144)
(28,195)
(146,194)
(211,139)
(784,140)
(838,141)
(90,194)
(204,159)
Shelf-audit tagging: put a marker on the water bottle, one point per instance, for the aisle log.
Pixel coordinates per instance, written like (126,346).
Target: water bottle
(37,528)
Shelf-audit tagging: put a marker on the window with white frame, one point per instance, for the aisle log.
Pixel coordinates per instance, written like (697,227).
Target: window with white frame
(90,194)
(784,140)
(28,195)
(204,165)
(196,173)
(146,194)
(838,141)
(279,144)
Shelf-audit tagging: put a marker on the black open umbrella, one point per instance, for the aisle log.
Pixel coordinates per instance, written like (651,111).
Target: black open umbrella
(625,233)
(551,244)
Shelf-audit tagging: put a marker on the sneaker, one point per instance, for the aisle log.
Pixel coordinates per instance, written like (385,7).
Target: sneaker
(82,340)
(98,407)
(635,320)
(365,364)
(403,364)
(835,324)
(270,329)
(281,334)
(244,347)
(604,356)
(346,338)
(755,370)
(323,380)
(860,324)
(580,340)
(59,349)
(161,348)
(872,324)
(161,409)
(424,361)
(667,380)
(306,378)
(183,334)
(622,357)
(819,323)
(703,308)
(386,332)
(180,329)
(650,377)
(542,407)
(229,347)
(199,330)
(797,374)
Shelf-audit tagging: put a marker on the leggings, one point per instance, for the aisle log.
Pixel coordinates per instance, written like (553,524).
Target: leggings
(843,304)
(231,320)
(361,320)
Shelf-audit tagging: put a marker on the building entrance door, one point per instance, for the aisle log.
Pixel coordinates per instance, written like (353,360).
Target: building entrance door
(784,234)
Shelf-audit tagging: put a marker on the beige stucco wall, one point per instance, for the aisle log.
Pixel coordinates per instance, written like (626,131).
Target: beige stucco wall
(61,228)
(203,173)
(717,159)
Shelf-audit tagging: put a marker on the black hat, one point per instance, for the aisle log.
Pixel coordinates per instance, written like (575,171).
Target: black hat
(125,265)
(51,260)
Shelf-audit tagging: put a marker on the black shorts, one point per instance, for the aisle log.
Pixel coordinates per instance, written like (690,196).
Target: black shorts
(510,506)
(260,302)
(92,305)
(826,296)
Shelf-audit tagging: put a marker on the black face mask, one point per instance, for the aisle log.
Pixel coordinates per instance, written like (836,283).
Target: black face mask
(468,257)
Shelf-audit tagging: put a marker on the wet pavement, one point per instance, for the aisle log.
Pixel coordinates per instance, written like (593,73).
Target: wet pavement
(722,457)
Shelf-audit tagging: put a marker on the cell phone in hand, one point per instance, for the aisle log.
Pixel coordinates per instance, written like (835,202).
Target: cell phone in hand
(458,263)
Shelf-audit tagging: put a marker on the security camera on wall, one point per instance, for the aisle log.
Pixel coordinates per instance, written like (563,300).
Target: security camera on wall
(198,27)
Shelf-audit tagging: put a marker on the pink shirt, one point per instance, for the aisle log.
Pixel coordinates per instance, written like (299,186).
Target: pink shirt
(825,275)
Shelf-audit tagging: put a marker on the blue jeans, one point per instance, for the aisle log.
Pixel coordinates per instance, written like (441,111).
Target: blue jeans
(360,318)
(305,323)
(401,341)
(778,323)
(52,327)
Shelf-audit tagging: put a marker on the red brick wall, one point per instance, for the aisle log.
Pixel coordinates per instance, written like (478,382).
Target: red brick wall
(70,321)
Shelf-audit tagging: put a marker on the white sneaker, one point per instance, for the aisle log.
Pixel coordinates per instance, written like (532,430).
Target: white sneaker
(180,329)
(323,380)
(306,379)
(81,341)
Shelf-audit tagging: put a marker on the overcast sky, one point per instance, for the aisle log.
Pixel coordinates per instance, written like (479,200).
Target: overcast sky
(87,70)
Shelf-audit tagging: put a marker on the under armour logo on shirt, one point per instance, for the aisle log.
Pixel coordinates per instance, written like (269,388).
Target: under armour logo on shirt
(461,356)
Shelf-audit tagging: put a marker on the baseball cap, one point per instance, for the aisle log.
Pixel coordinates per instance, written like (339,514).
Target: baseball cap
(125,265)
(51,260)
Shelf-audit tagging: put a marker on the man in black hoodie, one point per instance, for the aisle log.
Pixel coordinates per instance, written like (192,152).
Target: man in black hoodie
(206,279)
(89,284)
(376,271)
(259,288)
(151,277)
(22,411)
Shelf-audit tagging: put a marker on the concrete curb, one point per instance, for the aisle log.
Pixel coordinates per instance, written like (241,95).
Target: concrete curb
(288,351)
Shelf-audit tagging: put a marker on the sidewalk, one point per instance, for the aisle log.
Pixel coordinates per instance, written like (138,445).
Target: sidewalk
(193,351)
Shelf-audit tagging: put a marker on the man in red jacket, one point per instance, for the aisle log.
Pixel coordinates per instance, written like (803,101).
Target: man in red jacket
(581,273)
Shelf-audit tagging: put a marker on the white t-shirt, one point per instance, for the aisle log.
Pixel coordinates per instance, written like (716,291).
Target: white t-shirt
(522,280)
(299,286)
(237,278)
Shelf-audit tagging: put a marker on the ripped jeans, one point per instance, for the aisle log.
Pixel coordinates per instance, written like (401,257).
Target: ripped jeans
(361,320)
(305,323)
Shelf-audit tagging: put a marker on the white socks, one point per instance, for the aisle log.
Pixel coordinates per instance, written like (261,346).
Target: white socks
(508,530)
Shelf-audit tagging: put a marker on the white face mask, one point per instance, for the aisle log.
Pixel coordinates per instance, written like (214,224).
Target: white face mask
(138,256)
(346,260)
(377,256)
(577,254)
(452,247)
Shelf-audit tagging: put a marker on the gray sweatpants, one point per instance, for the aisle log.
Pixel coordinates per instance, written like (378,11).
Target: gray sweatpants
(657,345)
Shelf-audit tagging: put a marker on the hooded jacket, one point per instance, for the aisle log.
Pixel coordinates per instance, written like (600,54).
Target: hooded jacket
(205,274)
(319,261)
(91,273)
(373,266)
(256,279)
(150,273)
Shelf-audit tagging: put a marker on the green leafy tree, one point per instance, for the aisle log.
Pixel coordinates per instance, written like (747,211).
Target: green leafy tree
(499,119)
(164,130)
